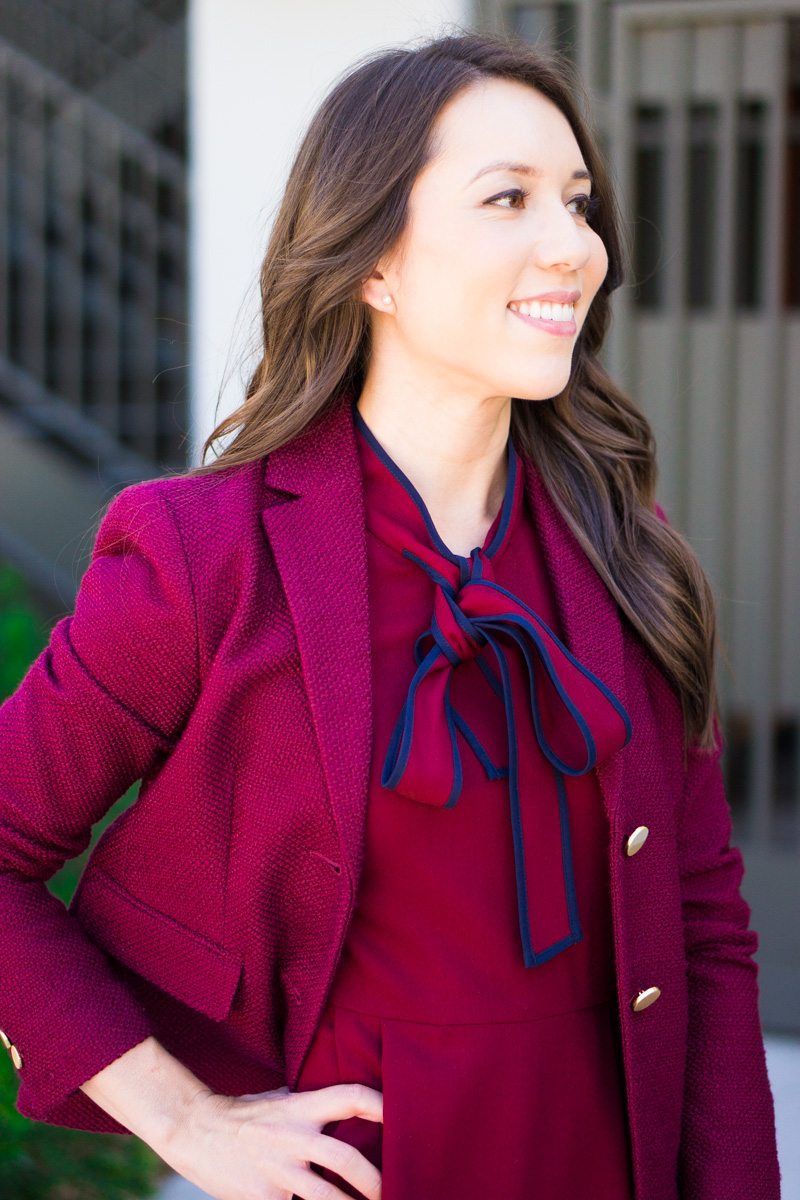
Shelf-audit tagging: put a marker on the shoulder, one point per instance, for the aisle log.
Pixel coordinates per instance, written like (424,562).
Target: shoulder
(202,510)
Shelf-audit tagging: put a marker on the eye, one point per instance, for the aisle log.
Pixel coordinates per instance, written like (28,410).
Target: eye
(514,193)
(591,203)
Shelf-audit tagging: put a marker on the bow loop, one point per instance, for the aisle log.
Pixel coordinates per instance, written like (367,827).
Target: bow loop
(577,720)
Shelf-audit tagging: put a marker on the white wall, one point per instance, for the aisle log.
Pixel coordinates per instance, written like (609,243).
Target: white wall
(257,70)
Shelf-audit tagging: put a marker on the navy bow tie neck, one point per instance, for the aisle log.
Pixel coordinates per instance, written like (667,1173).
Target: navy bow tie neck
(577,720)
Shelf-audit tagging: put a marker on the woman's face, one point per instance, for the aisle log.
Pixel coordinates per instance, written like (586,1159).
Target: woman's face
(495,219)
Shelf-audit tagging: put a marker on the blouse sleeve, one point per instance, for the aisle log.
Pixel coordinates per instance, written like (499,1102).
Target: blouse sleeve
(100,708)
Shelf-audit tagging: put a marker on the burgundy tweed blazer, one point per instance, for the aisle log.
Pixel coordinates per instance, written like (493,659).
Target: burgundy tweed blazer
(219,651)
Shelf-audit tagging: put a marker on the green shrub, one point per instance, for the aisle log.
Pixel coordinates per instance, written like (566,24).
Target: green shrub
(40,1161)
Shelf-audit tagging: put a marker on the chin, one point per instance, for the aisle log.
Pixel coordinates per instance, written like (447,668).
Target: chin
(544,391)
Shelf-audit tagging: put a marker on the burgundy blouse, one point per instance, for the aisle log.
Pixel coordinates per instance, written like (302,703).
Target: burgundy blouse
(476,987)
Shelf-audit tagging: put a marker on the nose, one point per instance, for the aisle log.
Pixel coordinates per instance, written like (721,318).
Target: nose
(559,240)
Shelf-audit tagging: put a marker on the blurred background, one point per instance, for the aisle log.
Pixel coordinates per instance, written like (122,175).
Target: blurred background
(143,148)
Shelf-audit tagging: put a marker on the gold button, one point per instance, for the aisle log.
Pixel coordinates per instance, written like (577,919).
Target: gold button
(5,1040)
(16,1057)
(645,999)
(637,839)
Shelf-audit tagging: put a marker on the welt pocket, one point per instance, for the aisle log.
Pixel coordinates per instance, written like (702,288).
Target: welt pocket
(187,965)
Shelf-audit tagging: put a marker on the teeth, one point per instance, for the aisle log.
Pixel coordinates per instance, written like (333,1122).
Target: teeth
(546,310)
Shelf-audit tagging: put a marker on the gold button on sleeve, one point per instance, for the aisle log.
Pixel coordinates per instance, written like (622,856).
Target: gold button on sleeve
(645,998)
(16,1057)
(6,1040)
(636,840)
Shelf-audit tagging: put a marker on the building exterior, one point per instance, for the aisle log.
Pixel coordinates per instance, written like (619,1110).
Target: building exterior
(697,103)
(93,323)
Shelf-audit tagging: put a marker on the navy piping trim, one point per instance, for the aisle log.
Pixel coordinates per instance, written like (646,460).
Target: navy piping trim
(400,740)
(516,814)
(435,575)
(495,683)
(613,700)
(441,641)
(531,957)
(492,771)
(451,728)
(511,619)
(471,630)
(508,501)
(566,852)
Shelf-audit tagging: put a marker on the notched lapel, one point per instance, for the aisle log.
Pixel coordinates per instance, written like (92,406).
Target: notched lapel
(590,617)
(313,516)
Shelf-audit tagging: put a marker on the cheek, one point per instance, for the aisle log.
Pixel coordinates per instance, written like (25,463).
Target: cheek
(447,295)
(597,267)
(455,268)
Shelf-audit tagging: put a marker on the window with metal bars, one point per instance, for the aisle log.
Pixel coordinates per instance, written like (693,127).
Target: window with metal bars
(649,204)
(791,205)
(749,195)
(701,205)
(93,294)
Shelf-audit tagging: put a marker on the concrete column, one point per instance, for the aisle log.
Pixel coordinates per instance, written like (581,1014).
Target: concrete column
(257,71)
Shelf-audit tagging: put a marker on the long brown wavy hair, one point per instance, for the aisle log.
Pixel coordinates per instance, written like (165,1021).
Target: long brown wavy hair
(344,206)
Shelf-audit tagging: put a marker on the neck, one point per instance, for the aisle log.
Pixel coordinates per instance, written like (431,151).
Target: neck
(452,448)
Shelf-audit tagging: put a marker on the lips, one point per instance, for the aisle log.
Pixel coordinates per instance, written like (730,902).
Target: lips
(559,296)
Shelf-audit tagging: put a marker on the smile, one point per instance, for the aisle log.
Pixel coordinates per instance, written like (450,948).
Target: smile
(554,318)
(546,309)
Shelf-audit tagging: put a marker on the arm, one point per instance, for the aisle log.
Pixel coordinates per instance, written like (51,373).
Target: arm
(728,1146)
(148,1091)
(101,707)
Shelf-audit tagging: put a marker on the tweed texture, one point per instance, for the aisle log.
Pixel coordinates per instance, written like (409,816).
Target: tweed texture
(219,651)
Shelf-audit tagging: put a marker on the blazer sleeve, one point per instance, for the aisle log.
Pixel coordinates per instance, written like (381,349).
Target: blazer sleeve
(100,708)
(728,1144)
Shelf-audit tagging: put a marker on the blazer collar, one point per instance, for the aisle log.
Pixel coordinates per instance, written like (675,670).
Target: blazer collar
(314,517)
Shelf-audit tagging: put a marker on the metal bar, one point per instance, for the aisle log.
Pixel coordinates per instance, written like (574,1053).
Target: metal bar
(679,12)
(54,417)
(775,172)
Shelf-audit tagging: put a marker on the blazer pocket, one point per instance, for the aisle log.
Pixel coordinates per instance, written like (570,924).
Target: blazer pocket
(187,965)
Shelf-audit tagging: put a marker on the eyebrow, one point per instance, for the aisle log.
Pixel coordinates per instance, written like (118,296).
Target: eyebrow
(524,169)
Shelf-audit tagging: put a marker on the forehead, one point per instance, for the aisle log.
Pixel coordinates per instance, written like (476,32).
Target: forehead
(496,119)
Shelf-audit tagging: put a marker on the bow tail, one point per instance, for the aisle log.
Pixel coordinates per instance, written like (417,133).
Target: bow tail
(423,760)
(545,878)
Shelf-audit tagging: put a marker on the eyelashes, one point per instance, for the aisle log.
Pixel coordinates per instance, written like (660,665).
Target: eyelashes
(591,203)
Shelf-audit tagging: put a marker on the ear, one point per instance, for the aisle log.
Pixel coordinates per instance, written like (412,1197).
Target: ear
(374,290)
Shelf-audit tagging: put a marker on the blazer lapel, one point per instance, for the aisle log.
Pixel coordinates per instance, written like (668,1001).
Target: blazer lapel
(313,515)
(592,625)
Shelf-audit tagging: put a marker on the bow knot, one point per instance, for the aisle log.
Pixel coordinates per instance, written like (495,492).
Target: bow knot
(455,632)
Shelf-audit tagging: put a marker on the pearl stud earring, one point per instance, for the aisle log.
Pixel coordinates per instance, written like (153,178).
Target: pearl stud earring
(386,299)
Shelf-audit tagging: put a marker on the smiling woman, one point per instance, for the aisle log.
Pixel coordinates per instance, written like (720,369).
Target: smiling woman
(420,683)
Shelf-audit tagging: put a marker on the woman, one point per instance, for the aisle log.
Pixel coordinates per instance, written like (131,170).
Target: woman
(428,573)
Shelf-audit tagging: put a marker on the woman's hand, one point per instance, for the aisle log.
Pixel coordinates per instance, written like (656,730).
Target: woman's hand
(260,1147)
